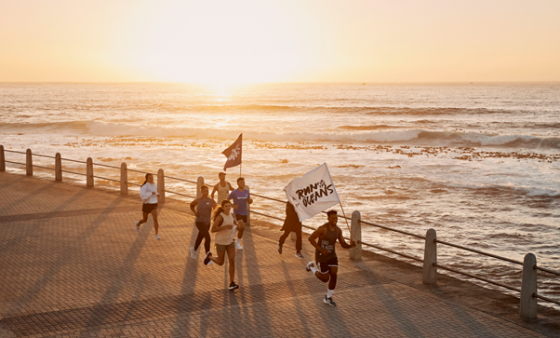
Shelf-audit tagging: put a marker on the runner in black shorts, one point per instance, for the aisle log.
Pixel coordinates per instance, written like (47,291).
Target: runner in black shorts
(325,254)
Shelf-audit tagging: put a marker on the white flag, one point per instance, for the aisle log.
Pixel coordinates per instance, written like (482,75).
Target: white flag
(312,193)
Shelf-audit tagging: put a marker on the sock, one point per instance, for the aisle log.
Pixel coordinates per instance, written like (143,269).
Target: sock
(329,293)
(238,240)
(314,269)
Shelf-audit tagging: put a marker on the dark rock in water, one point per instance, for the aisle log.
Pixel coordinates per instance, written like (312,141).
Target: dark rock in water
(284,161)
(394,167)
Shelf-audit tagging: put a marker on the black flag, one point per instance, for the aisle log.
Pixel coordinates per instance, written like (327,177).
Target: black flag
(233,153)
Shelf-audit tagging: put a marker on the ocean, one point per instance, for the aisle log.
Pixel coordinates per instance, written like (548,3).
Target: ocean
(480,163)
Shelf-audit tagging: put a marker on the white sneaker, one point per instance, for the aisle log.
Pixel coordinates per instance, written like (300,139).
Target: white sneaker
(193,253)
(137,226)
(157,237)
(238,246)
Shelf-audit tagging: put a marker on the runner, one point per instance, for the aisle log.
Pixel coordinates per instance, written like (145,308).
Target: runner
(325,254)
(224,226)
(241,197)
(203,212)
(223,188)
(149,197)
(291,223)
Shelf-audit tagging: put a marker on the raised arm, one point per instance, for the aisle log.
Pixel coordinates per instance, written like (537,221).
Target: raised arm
(193,205)
(343,242)
(144,193)
(216,226)
(214,190)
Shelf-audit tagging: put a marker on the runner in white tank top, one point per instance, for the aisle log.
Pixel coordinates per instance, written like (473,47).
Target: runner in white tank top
(223,188)
(224,227)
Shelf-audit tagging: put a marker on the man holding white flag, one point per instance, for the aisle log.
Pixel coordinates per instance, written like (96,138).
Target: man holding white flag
(310,195)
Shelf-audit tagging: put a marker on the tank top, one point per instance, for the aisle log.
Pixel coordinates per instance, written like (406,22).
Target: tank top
(327,242)
(225,237)
(204,209)
(223,192)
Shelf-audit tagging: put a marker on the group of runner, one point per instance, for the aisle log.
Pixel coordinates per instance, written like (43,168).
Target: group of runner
(228,222)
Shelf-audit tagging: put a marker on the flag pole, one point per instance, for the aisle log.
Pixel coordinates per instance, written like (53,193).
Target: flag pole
(240,164)
(340,203)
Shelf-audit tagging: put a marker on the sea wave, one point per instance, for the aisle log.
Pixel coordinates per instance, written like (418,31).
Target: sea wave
(406,137)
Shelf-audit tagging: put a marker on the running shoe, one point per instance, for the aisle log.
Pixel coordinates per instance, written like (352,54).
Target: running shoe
(137,226)
(238,246)
(299,255)
(279,249)
(193,253)
(207,259)
(329,301)
(210,263)
(157,237)
(310,265)
(233,286)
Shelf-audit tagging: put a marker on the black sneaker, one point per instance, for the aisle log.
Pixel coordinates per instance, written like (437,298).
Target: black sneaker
(233,286)
(207,259)
(279,248)
(329,301)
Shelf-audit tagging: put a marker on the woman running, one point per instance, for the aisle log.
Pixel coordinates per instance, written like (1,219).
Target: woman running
(203,212)
(148,194)
(225,226)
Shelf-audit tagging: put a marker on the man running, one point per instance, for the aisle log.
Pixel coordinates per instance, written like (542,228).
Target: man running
(241,198)
(325,254)
(223,188)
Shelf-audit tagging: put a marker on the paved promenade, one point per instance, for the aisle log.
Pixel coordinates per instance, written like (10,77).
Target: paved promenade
(72,265)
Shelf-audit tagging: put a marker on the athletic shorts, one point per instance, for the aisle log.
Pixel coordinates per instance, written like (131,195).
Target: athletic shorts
(241,218)
(224,248)
(149,207)
(324,266)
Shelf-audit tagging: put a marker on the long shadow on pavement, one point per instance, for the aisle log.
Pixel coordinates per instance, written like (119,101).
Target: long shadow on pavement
(65,257)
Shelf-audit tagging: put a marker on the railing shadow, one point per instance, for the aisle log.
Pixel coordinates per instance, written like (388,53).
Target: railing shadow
(64,257)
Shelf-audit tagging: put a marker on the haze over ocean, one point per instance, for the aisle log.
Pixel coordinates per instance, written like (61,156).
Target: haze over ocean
(477,162)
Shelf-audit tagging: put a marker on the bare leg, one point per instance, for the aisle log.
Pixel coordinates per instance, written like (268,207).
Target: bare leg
(333,277)
(240,229)
(231,260)
(144,219)
(154,217)
(323,277)
(220,259)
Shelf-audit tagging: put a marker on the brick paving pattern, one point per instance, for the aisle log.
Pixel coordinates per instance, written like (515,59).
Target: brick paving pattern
(72,265)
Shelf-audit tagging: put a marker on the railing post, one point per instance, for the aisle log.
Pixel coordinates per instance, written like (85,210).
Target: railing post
(28,163)
(429,275)
(528,303)
(161,186)
(199,183)
(58,167)
(89,172)
(356,234)
(124,179)
(2,160)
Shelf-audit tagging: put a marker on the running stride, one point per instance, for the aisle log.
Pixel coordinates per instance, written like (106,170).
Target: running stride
(203,212)
(149,196)
(224,226)
(325,254)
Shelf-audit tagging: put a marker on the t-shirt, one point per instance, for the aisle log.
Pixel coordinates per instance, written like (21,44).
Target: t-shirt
(240,198)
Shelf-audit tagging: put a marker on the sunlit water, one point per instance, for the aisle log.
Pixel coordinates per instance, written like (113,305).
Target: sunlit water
(478,163)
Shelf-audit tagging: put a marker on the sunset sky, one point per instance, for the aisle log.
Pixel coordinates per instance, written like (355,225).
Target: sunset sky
(215,41)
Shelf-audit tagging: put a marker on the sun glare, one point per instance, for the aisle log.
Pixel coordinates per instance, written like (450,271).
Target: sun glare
(225,44)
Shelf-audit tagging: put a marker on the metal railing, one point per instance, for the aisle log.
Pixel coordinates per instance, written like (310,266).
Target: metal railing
(429,264)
